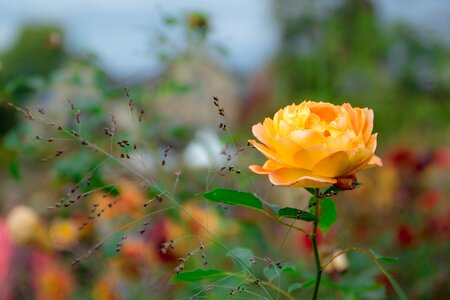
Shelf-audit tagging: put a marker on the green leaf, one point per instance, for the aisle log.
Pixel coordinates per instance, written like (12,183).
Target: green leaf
(14,169)
(310,190)
(233,197)
(374,257)
(328,216)
(331,189)
(337,190)
(308,283)
(294,213)
(242,257)
(294,286)
(197,275)
(401,294)
(311,204)
(271,273)
(297,285)
(387,259)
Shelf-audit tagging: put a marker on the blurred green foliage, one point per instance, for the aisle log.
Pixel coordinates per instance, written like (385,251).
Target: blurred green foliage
(37,52)
(345,52)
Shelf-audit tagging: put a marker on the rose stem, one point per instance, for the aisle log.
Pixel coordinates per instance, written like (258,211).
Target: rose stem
(314,244)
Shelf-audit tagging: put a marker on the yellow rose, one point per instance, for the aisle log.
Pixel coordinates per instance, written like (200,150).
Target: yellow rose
(315,144)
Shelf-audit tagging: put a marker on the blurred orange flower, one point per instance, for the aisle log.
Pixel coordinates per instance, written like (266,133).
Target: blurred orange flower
(63,233)
(105,289)
(51,279)
(128,203)
(315,144)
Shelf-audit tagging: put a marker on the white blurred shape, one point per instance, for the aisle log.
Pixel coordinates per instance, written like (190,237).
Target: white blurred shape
(204,150)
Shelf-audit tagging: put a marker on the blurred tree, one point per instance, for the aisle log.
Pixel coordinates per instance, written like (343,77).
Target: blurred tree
(37,52)
(341,51)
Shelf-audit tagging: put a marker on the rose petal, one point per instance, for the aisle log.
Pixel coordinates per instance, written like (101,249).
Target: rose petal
(269,126)
(375,162)
(368,124)
(299,178)
(271,154)
(339,143)
(260,133)
(272,165)
(326,111)
(284,128)
(353,116)
(359,160)
(286,146)
(372,142)
(259,170)
(307,137)
(308,157)
(334,165)
(268,167)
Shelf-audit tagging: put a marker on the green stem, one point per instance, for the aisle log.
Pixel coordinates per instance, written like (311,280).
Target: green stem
(314,244)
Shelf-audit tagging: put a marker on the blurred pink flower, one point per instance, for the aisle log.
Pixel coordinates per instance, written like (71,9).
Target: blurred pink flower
(6,256)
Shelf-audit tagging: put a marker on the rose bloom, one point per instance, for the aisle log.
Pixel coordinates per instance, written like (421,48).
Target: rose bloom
(316,144)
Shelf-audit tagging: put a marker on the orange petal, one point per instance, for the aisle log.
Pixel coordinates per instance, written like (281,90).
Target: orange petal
(308,157)
(359,160)
(260,133)
(334,165)
(269,126)
(272,165)
(259,170)
(375,162)
(368,124)
(269,153)
(361,120)
(307,137)
(326,111)
(299,178)
(285,146)
(353,117)
(284,128)
(372,142)
(339,143)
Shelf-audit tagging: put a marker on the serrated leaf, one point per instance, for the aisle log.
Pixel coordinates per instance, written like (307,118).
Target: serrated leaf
(234,197)
(294,213)
(197,275)
(328,216)
(297,285)
(387,259)
(242,257)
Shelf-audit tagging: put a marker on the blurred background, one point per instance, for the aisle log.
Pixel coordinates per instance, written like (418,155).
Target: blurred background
(173,57)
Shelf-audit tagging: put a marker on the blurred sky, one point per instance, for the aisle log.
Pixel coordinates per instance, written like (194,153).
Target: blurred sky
(122,33)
